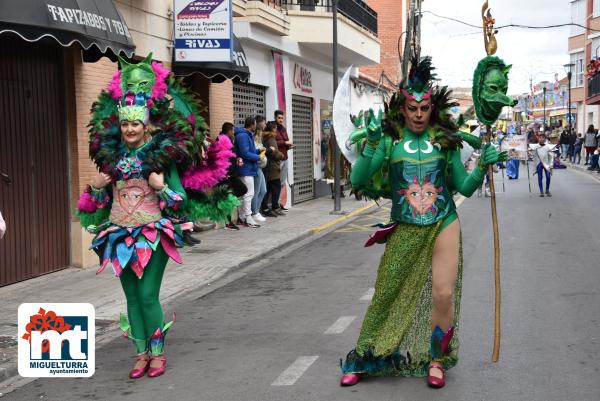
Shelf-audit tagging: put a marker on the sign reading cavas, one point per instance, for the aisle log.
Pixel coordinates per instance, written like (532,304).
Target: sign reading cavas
(203,30)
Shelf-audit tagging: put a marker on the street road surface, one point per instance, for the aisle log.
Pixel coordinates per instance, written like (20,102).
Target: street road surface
(278,332)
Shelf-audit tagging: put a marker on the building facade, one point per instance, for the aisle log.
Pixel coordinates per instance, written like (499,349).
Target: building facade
(584,52)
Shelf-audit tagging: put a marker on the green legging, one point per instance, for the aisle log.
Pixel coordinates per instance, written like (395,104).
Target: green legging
(143,307)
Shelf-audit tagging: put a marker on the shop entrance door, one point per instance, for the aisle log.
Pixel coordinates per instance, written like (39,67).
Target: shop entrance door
(302,125)
(34,192)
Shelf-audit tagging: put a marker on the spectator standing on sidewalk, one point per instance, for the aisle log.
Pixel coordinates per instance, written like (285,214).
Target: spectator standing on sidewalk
(283,144)
(272,172)
(235,184)
(590,143)
(564,144)
(571,148)
(594,160)
(260,184)
(247,172)
(577,150)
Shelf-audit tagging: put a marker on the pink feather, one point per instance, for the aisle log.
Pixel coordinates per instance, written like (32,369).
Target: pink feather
(114,86)
(212,170)
(86,203)
(159,90)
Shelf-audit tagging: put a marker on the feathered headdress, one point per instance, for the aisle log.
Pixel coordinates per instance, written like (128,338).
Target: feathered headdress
(419,84)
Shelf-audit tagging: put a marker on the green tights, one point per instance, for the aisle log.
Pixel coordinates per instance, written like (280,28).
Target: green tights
(143,307)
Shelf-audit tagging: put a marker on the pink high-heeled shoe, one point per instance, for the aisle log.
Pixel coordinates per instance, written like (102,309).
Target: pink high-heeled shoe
(154,372)
(136,373)
(350,379)
(434,381)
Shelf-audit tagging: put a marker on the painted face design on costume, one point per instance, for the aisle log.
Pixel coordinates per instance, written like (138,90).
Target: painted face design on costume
(490,85)
(131,198)
(422,198)
(137,78)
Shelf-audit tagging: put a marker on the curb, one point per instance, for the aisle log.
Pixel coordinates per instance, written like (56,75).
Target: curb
(343,218)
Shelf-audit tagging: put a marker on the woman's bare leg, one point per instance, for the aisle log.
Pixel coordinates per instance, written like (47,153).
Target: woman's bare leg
(444,271)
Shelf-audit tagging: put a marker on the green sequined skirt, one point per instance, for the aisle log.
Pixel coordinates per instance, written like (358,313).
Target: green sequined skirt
(396,332)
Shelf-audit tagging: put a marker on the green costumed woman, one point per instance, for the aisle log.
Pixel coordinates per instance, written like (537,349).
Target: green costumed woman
(136,138)
(413,156)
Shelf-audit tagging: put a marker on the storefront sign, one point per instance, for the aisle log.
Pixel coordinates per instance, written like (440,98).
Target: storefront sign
(203,30)
(64,15)
(302,78)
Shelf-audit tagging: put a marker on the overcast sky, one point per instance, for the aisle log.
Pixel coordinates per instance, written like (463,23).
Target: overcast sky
(536,53)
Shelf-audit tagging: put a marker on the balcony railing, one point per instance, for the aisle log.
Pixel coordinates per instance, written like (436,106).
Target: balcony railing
(593,86)
(274,3)
(355,10)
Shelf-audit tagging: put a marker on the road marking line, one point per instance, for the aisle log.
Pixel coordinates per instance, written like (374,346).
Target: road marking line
(294,371)
(368,295)
(340,325)
(345,217)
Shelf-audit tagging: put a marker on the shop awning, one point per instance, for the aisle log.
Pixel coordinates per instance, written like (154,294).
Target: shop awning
(96,25)
(218,71)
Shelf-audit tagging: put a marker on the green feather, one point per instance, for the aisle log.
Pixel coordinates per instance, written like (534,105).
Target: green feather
(216,206)
(97,218)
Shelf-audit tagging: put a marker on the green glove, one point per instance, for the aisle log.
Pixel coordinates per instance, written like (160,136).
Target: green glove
(357,120)
(373,125)
(489,155)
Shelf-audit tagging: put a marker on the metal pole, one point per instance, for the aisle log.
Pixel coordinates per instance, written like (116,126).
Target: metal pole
(569,106)
(544,122)
(337,202)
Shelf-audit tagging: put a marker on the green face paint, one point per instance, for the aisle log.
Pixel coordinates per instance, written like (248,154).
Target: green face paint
(490,84)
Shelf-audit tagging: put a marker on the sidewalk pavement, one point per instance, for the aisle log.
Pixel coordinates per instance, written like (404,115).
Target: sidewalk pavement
(583,168)
(221,252)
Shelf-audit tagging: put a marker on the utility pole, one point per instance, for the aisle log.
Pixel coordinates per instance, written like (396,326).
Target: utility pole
(337,201)
(412,42)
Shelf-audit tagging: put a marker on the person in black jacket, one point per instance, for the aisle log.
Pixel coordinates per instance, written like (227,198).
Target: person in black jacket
(564,144)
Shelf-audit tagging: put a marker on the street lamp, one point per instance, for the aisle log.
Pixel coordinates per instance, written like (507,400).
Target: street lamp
(569,71)
(545,83)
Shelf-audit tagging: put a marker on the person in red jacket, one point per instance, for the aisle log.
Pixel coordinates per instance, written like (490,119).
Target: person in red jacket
(283,144)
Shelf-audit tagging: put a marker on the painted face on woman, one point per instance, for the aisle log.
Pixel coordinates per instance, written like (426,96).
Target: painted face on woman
(132,133)
(417,115)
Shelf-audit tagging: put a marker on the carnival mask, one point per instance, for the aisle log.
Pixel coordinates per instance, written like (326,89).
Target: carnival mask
(490,84)
(137,78)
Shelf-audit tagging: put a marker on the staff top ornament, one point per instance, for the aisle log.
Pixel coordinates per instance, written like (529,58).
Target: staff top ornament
(490,80)
(489,32)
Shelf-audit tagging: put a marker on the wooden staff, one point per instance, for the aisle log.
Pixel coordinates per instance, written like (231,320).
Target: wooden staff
(496,351)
